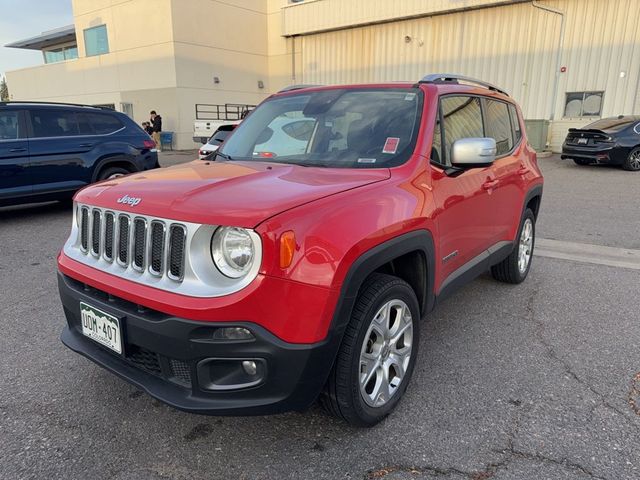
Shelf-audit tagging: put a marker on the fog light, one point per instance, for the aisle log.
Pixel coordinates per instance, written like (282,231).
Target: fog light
(217,374)
(232,333)
(250,367)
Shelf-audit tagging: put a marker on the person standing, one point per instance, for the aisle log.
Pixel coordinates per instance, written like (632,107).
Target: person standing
(156,128)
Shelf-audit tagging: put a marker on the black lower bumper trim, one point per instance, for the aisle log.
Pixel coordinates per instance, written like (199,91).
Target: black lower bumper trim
(294,376)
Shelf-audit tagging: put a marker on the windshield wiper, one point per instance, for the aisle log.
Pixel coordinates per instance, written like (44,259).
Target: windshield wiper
(218,153)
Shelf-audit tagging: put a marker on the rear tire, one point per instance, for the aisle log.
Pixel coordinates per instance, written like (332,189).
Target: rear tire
(632,162)
(515,267)
(581,161)
(377,355)
(113,172)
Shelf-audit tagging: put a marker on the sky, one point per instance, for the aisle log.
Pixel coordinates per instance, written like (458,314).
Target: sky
(20,19)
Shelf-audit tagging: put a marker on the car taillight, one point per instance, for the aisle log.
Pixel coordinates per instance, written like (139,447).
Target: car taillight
(149,144)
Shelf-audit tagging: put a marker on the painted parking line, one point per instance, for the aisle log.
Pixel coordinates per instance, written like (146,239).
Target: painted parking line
(586,253)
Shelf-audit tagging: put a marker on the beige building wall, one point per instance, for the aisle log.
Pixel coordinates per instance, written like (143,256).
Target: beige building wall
(224,39)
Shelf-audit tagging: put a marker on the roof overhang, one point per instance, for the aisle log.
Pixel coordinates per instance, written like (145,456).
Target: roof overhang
(47,39)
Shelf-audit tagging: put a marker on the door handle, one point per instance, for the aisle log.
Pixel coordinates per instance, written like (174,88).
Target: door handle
(523,170)
(16,150)
(86,145)
(490,184)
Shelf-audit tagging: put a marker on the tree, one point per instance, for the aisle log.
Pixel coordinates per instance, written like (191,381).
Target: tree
(4,90)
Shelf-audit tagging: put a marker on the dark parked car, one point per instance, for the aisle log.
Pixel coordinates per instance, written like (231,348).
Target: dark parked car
(615,141)
(215,140)
(50,150)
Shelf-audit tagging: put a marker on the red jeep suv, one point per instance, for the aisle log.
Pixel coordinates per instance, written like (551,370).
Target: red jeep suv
(298,265)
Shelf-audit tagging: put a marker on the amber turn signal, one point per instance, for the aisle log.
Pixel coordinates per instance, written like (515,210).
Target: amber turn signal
(287,248)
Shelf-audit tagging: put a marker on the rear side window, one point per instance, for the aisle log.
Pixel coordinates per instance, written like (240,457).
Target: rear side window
(54,123)
(515,123)
(9,127)
(462,118)
(103,123)
(499,125)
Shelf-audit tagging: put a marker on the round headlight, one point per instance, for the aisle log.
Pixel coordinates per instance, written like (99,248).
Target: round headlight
(233,251)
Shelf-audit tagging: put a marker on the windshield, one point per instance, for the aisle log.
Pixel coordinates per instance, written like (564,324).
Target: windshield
(354,128)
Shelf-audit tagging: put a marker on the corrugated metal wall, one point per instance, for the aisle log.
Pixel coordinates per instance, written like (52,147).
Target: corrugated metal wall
(317,15)
(513,46)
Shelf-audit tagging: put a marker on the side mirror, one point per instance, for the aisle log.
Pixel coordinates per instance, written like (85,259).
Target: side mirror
(473,152)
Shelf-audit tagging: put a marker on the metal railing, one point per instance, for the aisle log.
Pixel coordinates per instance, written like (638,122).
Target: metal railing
(227,111)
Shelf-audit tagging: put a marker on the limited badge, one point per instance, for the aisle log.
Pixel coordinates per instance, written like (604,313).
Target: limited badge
(391,145)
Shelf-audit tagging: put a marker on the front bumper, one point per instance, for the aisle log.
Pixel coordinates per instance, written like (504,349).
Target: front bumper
(162,353)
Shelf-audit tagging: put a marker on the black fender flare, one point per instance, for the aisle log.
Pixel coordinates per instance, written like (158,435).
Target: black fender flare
(535,191)
(369,262)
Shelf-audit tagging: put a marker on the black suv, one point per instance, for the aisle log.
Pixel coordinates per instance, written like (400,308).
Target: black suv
(50,150)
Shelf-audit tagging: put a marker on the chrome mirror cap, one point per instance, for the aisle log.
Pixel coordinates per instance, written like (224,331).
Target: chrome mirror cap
(470,152)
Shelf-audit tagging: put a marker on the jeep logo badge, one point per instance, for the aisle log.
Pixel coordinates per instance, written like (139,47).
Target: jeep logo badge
(131,201)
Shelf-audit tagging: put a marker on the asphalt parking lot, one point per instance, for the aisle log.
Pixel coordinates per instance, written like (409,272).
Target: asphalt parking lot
(536,381)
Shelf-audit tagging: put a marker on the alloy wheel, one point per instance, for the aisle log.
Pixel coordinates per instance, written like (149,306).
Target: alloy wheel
(525,248)
(386,353)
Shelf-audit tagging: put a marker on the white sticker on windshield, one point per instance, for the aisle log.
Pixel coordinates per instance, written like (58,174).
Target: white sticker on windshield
(410,96)
(366,160)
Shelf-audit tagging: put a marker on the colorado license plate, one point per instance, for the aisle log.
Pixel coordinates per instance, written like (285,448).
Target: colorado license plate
(101,327)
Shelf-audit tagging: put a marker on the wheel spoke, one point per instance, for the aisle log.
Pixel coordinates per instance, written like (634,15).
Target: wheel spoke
(400,332)
(371,364)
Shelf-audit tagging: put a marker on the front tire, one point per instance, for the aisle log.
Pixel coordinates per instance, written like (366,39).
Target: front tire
(515,267)
(632,162)
(377,355)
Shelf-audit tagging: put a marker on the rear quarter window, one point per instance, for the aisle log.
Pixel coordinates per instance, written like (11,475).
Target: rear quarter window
(498,125)
(103,123)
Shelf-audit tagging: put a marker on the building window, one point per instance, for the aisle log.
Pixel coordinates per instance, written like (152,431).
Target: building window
(583,104)
(96,41)
(60,54)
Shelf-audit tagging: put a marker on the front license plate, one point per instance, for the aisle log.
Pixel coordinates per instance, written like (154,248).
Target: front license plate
(101,327)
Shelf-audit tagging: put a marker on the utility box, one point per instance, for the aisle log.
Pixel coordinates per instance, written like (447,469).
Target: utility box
(537,133)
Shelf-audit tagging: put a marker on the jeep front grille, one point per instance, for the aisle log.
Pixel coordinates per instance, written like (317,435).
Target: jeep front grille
(123,240)
(134,241)
(177,239)
(156,262)
(95,232)
(159,253)
(109,229)
(139,243)
(84,229)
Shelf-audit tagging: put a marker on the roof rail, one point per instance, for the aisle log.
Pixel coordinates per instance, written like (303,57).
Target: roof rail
(297,87)
(28,102)
(455,78)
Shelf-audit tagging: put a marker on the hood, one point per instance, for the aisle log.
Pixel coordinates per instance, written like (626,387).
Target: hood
(241,194)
